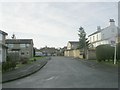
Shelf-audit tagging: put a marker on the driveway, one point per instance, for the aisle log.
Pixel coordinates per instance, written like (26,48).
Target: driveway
(64,72)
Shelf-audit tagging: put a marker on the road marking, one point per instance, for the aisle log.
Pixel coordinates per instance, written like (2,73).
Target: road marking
(53,77)
(50,78)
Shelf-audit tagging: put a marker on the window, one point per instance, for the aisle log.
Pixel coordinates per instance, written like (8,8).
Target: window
(10,45)
(22,45)
(93,38)
(22,53)
(1,37)
(97,36)
(90,39)
(27,45)
(103,35)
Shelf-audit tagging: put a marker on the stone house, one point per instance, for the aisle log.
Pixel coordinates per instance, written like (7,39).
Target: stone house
(49,51)
(72,50)
(19,48)
(3,48)
(61,51)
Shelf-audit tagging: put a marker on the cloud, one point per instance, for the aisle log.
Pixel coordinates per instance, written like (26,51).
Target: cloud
(54,23)
(59,0)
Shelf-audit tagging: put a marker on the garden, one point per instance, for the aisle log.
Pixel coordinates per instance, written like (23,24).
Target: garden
(12,64)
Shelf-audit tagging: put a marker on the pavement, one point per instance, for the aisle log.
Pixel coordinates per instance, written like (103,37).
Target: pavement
(24,71)
(100,66)
(64,72)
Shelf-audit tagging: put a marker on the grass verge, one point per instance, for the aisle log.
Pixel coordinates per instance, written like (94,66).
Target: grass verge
(30,61)
(106,63)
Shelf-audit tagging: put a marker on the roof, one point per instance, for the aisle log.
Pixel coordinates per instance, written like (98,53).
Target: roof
(74,42)
(94,33)
(111,20)
(19,41)
(2,32)
(98,31)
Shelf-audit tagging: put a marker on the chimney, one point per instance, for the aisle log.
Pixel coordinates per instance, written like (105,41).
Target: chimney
(98,28)
(112,22)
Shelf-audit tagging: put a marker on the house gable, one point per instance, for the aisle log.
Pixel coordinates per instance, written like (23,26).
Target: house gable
(72,45)
(105,35)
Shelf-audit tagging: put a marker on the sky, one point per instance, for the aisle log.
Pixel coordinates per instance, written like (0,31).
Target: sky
(53,24)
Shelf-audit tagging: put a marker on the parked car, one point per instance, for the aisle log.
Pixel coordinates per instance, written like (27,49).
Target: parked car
(39,54)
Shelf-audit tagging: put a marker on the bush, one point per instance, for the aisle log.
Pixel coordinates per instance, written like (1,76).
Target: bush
(104,52)
(118,51)
(8,65)
(34,59)
(24,60)
(13,64)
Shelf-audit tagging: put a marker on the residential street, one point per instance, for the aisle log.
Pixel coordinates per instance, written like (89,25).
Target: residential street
(64,72)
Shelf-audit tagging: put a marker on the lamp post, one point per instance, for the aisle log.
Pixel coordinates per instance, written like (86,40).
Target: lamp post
(115,51)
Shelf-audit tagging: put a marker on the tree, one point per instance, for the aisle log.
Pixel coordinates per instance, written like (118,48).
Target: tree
(83,41)
(13,36)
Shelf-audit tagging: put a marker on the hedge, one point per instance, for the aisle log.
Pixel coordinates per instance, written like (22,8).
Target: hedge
(104,52)
(8,65)
(118,51)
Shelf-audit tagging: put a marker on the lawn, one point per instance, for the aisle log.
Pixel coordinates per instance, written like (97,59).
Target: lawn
(8,66)
(37,58)
(110,63)
(30,61)
(107,62)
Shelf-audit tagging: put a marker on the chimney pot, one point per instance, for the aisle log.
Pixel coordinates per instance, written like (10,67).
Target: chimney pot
(112,22)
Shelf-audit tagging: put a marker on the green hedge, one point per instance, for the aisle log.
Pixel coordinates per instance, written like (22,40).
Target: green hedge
(118,51)
(8,65)
(104,52)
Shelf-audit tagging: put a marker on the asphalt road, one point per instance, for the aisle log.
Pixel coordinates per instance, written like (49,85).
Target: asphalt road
(63,72)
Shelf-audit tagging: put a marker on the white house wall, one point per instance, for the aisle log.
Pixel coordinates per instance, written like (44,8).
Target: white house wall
(68,46)
(0,54)
(109,32)
(0,48)
(95,37)
(0,38)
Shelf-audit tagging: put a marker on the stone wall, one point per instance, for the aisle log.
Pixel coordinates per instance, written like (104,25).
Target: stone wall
(73,53)
(91,54)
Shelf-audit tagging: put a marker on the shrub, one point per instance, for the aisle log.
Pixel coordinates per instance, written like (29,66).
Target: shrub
(24,60)
(5,66)
(13,64)
(104,52)
(118,51)
(8,65)
(34,59)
